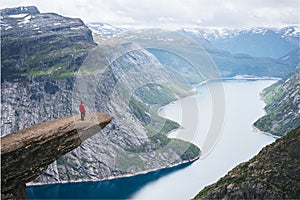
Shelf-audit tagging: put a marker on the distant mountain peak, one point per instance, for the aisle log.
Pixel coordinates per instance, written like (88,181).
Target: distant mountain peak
(105,29)
(20,10)
(222,33)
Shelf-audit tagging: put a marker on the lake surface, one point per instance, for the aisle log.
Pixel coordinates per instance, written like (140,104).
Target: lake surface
(218,120)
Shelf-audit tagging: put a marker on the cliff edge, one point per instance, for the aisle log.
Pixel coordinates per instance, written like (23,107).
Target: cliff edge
(25,154)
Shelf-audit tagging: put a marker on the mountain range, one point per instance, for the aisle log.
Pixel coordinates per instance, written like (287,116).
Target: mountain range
(256,42)
(228,63)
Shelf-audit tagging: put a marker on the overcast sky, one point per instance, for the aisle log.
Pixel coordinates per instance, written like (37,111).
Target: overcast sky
(173,14)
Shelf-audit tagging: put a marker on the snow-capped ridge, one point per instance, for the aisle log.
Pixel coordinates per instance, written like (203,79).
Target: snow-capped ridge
(224,33)
(105,29)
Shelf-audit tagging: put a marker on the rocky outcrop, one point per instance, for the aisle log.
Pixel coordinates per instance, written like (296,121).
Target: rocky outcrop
(273,174)
(25,154)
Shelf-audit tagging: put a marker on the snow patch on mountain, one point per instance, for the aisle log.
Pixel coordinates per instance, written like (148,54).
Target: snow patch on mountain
(225,33)
(104,29)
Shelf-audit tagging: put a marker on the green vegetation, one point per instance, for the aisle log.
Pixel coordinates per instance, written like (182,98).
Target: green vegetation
(56,72)
(140,110)
(56,58)
(157,127)
(186,150)
(283,100)
(61,161)
(156,94)
(164,140)
(35,72)
(126,161)
(169,125)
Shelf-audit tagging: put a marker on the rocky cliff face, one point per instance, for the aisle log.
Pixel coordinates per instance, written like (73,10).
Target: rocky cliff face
(25,154)
(59,67)
(41,43)
(273,174)
(283,106)
(32,99)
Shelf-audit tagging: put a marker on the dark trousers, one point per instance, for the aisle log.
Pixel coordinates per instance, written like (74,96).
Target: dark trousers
(82,115)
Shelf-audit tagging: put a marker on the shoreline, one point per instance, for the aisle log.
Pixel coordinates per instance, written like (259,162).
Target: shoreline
(121,176)
(246,78)
(235,78)
(257,130)
(250,78)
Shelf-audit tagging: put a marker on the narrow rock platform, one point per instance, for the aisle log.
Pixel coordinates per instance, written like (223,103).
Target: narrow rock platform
(25,154)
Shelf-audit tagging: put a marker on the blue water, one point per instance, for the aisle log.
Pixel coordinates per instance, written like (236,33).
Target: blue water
(122,188)
(235,142)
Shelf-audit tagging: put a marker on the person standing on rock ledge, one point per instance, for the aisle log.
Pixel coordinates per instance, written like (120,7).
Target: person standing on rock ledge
(82,110)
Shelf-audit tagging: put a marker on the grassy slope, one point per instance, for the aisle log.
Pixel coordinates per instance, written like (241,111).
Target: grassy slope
(157,126)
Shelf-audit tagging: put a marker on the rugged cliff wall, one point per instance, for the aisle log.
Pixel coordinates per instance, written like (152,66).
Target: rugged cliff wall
(60,66)
(273,174)
(283,106)
(25,154)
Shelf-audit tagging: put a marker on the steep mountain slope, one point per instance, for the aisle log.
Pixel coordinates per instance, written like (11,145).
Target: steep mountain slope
(273,174)
(283,106)
(61,66)
(292,58)
(242,64)
(257,42)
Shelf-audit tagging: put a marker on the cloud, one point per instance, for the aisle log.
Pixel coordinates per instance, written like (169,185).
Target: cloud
(175,13)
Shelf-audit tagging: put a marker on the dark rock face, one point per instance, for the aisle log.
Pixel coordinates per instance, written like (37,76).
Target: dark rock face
(41,43)
(51,88)
(273,174)
(25,154)
(30,100)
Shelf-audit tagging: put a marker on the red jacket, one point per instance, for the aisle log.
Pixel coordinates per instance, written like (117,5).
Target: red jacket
(81,107)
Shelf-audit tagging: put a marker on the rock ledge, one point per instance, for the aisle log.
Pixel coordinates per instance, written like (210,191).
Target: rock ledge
(25,154)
